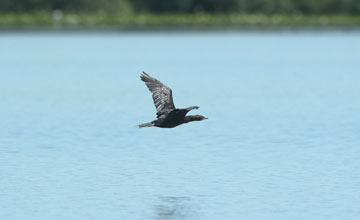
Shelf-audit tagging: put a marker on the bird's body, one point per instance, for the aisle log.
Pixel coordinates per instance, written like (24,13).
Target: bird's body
(167,115)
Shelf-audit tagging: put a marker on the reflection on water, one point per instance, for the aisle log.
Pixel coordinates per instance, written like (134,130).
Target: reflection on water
(173,208)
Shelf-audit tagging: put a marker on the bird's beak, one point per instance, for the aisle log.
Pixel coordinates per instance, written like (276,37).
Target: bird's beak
(206,118)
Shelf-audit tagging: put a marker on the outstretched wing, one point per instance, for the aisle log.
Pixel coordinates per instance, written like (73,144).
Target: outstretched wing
(162,95)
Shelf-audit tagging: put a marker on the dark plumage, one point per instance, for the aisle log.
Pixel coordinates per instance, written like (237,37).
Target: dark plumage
(167,115)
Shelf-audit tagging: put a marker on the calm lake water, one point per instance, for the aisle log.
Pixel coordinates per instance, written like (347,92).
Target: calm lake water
(282,140)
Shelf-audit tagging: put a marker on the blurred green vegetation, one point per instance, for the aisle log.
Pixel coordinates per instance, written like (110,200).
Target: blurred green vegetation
(179,12)
(187,6)
(155,20)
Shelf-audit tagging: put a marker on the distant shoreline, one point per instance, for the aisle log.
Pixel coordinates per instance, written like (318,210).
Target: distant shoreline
(188,29)
(60,21)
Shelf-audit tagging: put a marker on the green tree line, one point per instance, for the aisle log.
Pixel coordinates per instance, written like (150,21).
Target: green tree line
(187,6)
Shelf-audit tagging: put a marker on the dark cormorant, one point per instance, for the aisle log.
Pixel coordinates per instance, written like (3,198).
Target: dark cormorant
(167,115)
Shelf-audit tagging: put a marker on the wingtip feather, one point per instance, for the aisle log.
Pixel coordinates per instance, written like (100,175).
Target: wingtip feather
(144,76)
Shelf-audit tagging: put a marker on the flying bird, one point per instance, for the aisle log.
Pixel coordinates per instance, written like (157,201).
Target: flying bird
(167,115)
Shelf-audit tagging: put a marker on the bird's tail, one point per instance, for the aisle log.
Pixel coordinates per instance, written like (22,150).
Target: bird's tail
(150,124)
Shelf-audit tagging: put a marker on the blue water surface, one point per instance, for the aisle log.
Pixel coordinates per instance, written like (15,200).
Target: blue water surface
(282,140)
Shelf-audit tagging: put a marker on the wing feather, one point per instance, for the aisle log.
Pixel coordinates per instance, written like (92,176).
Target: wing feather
(161,94)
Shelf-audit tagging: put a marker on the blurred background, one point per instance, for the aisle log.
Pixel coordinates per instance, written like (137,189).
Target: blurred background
(179,12)
(278,79)
(186,6)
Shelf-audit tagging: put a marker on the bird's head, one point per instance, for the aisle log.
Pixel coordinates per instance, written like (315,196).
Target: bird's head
(199,117)
(195,118)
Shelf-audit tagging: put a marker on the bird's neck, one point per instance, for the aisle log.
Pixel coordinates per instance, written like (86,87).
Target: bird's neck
(190,118)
